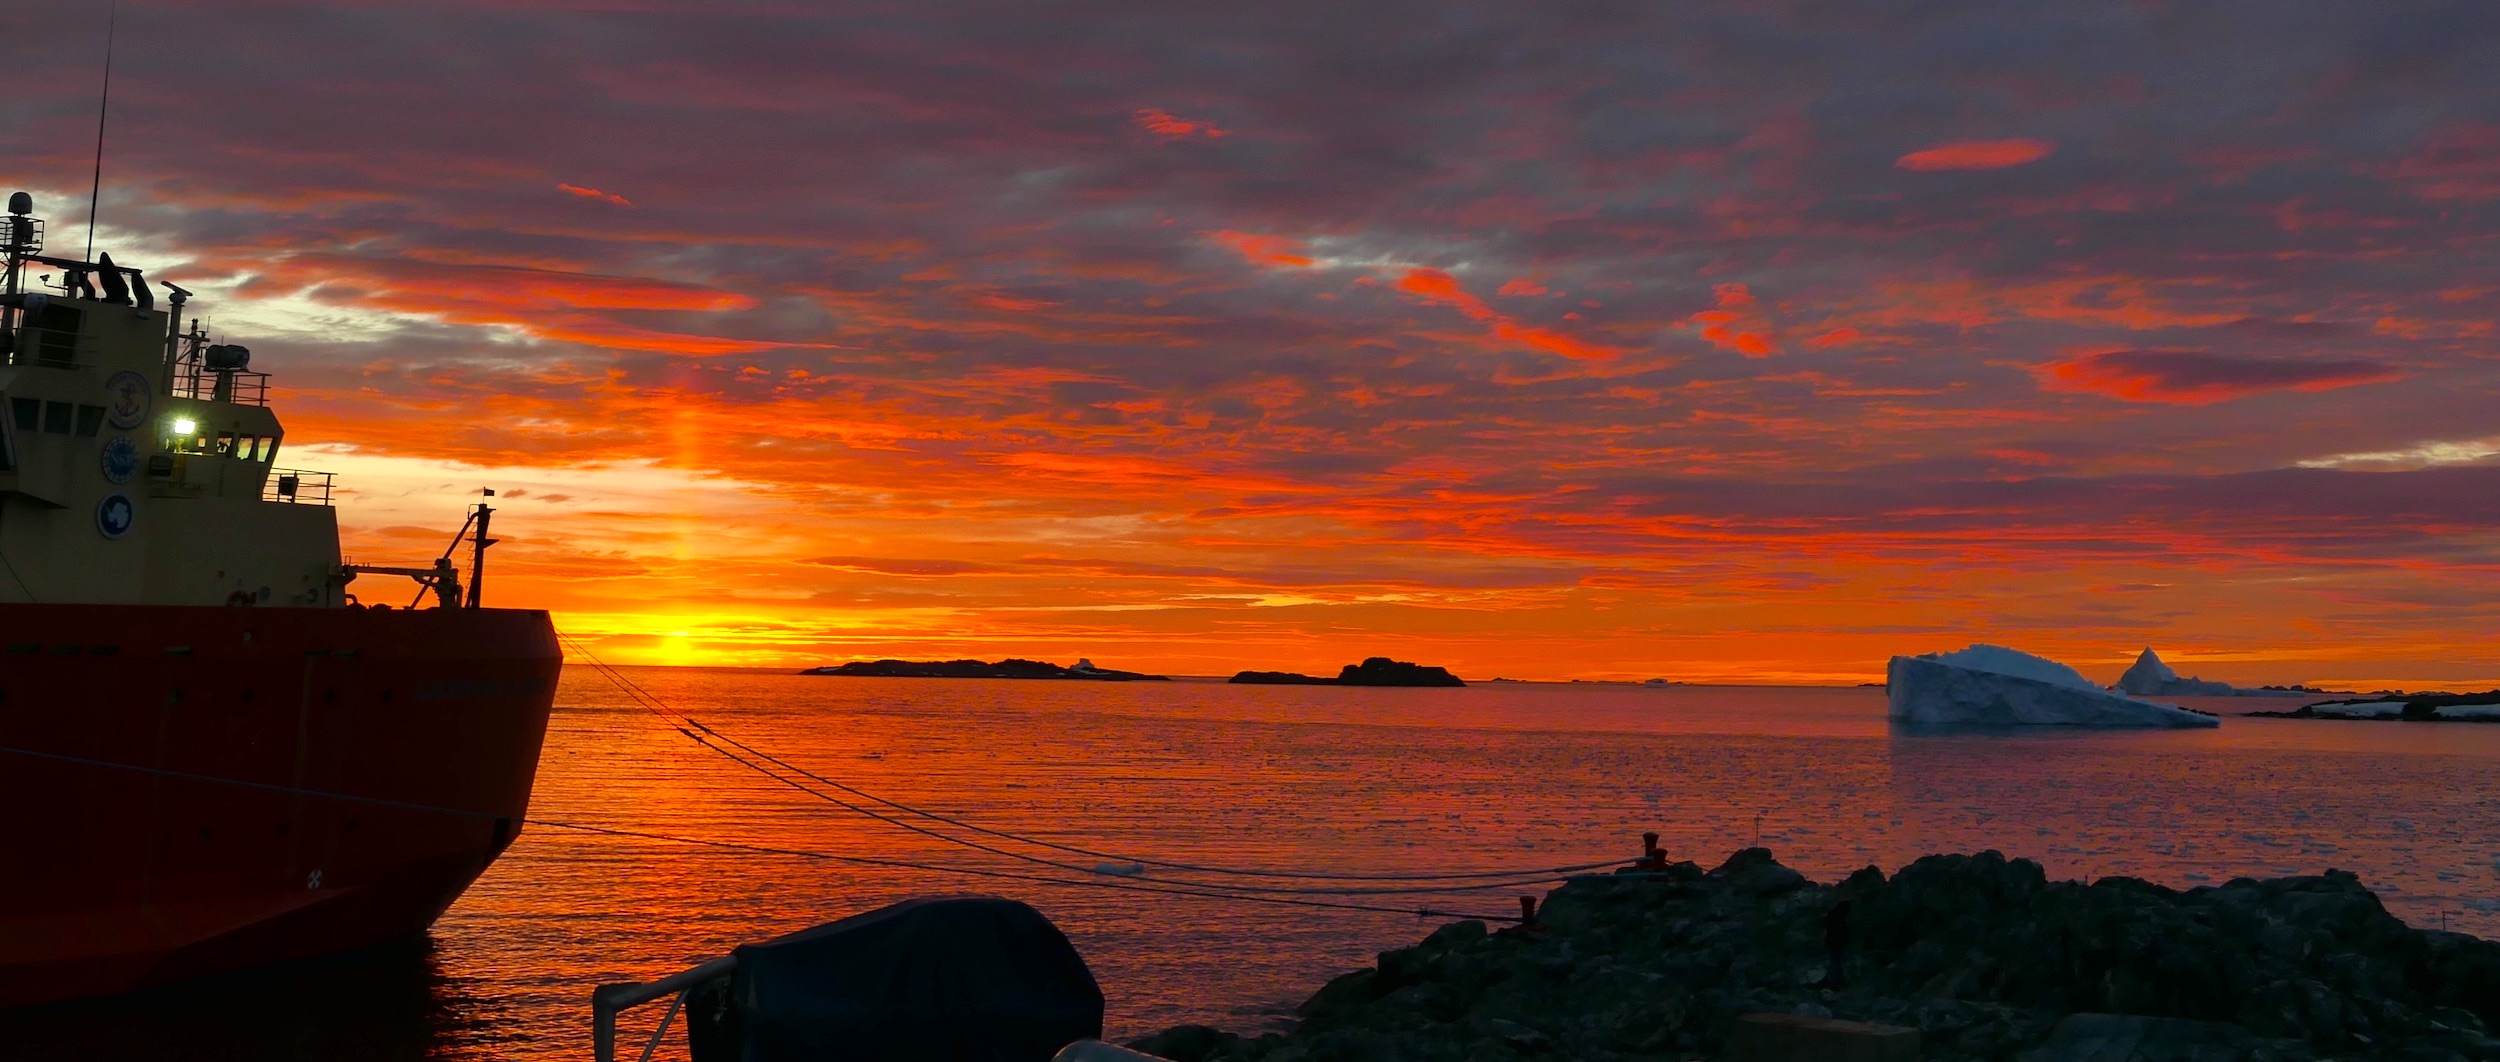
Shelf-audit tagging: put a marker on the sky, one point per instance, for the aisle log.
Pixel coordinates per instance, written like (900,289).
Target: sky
(1709,341)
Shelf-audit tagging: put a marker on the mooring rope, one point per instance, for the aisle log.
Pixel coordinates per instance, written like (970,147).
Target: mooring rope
(1512,878)
(1183,889)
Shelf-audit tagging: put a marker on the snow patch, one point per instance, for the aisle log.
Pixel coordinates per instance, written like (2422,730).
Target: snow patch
(2000,660)
(2364,710)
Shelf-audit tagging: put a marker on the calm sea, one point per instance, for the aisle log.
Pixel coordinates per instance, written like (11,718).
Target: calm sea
(1310,778)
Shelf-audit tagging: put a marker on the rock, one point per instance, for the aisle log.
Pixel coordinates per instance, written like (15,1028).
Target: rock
(1278,678)
(1009,669)
(1799,1038)
(1376,671)
(1185,1043)
(1983,955)
(1754,872)
(1382,671)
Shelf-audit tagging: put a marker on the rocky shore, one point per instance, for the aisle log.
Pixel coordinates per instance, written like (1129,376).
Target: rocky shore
(1983,955)
(2411,708)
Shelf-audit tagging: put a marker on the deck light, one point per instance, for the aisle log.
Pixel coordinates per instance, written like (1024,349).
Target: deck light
(185,425)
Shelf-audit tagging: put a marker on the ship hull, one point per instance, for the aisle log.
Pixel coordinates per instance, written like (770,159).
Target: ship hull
(185,791)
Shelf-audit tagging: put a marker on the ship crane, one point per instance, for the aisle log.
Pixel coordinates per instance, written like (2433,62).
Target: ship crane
(443,579)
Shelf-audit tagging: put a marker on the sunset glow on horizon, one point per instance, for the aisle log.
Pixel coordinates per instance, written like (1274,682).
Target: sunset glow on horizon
(1725,342)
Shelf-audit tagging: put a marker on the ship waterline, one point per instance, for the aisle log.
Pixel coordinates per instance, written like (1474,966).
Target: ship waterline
(211,788)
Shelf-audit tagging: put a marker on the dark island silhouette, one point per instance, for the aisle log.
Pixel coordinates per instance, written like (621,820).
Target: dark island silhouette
(1377,671)
(1005,669)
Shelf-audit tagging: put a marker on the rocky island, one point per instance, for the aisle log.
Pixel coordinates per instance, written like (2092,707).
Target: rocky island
(1982,955)
(1376,671)
(1006,669)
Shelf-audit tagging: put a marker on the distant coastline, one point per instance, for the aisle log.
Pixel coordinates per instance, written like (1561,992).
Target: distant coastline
(1375,671)
(1005,669)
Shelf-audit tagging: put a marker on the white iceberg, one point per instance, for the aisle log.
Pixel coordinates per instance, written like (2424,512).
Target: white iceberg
(1990,685)
(2152,678)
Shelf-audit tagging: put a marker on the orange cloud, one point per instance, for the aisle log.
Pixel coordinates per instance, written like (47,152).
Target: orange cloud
(1436,286)
(1266,250)
(1737,324)
(1521,286)
(593,193)
(2196,377)
(1976,155)
(1164,126)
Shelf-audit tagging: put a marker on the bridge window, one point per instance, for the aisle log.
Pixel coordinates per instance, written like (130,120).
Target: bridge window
(225,444)
(56,418)
(90,420)
(29,412)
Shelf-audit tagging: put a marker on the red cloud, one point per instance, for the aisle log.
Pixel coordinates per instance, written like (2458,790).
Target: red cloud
(1976,155)
(593,193)
(1521,286)
(1266,250)
(1164,126)
(2196,377)
(1737,324)
(1436,286)
(2459,162)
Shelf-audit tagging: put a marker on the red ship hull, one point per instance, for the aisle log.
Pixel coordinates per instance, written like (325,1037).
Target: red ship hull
(385,759)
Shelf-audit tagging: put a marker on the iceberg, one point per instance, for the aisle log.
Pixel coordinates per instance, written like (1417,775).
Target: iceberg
(2149,677)
(1990,685)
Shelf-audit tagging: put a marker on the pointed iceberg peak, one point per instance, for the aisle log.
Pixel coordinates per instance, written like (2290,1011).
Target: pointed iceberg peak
(2148,676)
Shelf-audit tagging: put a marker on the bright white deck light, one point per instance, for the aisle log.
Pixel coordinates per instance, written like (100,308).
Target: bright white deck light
(185,425)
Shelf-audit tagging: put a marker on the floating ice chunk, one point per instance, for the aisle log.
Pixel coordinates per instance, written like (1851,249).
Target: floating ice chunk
(1990,685)
(2364,710)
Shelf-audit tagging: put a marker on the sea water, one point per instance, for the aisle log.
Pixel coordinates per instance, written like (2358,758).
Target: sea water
(1320,780)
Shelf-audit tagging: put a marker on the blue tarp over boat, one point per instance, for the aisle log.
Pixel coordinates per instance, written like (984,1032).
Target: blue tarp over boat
(973,978)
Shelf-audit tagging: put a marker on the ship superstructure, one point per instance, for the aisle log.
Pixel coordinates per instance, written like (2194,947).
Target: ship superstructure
(211,754)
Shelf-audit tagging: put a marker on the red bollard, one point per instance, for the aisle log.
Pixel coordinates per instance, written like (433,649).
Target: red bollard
(1651,857)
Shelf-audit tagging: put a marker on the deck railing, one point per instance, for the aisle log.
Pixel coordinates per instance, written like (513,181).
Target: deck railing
(242,387)
(297,485)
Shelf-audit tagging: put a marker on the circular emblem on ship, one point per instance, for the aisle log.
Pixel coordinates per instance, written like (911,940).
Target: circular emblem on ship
(120,459)
(127,397)
(115,515)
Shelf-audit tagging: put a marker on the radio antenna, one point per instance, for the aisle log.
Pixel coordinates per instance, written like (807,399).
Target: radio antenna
(95,192)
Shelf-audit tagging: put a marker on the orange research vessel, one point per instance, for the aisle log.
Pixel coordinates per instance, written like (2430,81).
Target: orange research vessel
(212,755)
